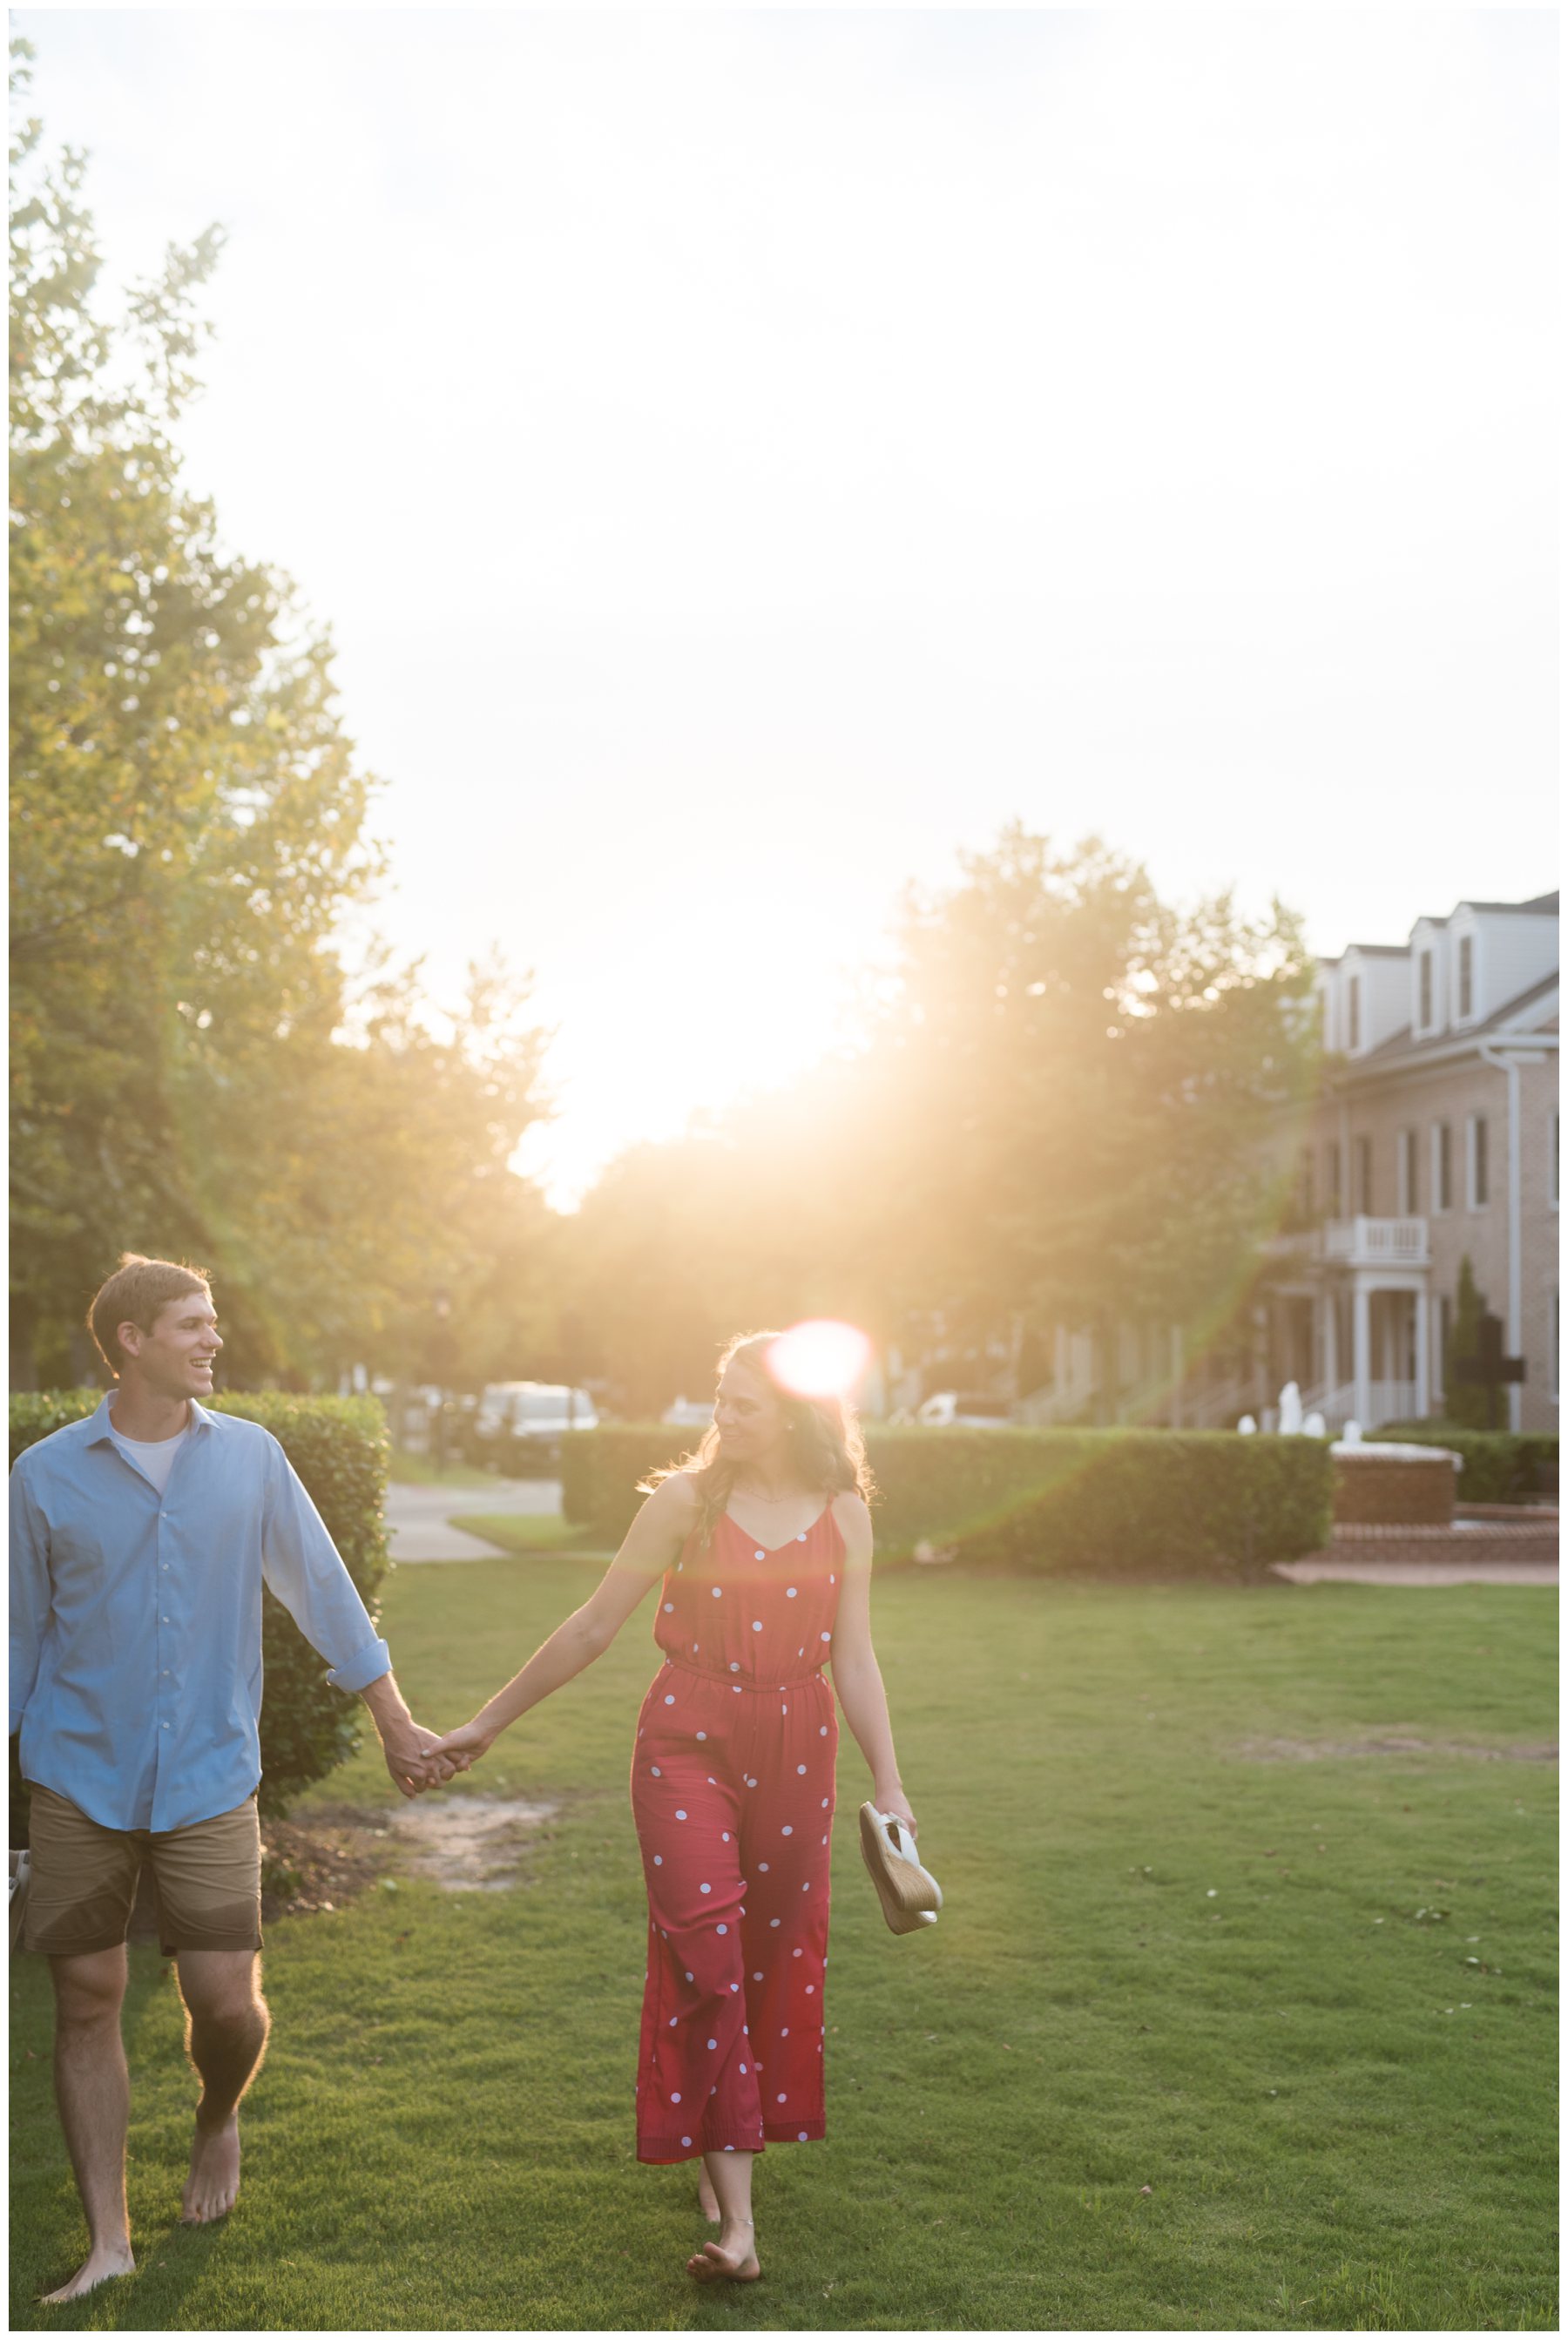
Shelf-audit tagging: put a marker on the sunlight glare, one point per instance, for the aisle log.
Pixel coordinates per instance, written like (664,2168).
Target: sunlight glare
(820,1358)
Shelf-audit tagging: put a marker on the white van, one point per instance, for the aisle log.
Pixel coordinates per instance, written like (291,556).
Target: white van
(541,1412)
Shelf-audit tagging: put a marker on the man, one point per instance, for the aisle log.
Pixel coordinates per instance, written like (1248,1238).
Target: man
(140,1539)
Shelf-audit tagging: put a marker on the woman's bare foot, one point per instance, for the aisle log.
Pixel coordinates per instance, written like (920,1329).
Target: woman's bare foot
(733,2256)
(212,2187)
(104,2260)
(706,2200)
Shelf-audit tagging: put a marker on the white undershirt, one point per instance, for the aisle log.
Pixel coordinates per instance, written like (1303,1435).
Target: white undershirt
(153,1458)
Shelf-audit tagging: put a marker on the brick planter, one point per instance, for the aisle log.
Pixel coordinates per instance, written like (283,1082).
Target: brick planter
(1393,1487)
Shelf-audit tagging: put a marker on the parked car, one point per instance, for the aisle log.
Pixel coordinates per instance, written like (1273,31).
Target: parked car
(963,1410)
(689,1413)
(526,1421)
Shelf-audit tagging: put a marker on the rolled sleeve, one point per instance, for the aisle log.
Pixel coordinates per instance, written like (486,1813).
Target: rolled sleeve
(302,1566)
(29,1593)
(367,1665)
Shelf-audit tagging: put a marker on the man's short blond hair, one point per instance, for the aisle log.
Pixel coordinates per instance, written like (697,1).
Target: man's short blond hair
(137,1293)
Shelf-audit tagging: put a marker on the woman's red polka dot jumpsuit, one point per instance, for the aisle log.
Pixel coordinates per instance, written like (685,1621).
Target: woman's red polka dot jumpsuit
(732,1790)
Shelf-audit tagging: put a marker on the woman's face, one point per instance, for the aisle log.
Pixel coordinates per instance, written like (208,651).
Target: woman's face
(750,1417)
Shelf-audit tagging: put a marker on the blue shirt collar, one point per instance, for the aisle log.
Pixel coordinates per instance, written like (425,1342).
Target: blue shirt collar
(100,1427)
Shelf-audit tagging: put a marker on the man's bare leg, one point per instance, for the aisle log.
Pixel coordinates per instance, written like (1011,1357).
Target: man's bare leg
(734,2254)
(93,2088)
(226,2035)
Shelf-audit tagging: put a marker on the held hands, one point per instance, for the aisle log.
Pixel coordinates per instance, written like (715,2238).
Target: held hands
(411,1756)
(465,1745)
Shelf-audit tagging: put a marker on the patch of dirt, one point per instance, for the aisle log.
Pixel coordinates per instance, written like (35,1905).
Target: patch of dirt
(323,1864)
(1389,1742)
(470,1844)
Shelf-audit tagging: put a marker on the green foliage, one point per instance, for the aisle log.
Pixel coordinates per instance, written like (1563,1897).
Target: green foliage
(1500,1466)
(339,1447)
(192,1073)
(1067,1107)
(1469,1404)
(1103,1502)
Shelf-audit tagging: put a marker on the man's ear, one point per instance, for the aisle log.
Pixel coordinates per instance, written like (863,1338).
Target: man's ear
(129,1336)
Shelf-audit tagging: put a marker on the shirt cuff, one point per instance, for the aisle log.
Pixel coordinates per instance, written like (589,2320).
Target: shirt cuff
(367,1665)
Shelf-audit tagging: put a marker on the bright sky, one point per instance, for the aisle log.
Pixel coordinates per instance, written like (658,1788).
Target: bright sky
(746,457)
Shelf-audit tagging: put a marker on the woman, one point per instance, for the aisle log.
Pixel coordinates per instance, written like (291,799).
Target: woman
(763,1541)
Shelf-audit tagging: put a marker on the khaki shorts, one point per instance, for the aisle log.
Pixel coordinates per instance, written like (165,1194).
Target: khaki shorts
(208,1879)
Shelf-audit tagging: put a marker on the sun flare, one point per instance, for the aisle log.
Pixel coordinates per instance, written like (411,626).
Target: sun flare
(823,1357)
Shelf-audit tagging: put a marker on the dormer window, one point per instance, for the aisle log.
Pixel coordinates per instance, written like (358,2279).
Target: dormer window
(1466,974)
(1425,1009)
(1354,1010)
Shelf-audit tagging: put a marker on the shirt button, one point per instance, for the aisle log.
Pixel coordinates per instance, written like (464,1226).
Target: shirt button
(165,1726)
(162,1621)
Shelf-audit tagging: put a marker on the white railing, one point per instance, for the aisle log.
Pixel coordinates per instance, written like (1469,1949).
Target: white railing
(1386,1401)
(1043,1408)
(1362,1242)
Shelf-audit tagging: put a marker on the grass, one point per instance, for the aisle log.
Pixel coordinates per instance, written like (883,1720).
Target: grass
(1163,1964)
(418,1471)
(531,1532)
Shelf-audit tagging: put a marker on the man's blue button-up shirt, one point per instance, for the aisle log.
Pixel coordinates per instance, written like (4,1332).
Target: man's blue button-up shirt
(136,1618)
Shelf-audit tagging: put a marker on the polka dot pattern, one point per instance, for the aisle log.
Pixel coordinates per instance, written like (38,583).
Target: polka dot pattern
(735,1968)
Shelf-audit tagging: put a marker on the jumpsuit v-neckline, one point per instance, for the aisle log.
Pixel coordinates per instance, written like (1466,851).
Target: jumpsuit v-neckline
(732,1790)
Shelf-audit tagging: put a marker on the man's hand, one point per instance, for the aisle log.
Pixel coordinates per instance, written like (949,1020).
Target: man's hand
(407,1745)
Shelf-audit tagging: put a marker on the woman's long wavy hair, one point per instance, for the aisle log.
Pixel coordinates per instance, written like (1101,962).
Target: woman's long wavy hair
(828,1449)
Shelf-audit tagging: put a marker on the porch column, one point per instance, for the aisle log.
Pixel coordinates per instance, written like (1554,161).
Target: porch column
(1361,1370)
(1423,1354)
(1331,1340)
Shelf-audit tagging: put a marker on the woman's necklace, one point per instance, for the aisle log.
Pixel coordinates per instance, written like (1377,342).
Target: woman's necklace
(751,1493)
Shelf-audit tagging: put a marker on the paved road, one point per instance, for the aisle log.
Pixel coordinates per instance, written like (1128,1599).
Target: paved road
(417,1517)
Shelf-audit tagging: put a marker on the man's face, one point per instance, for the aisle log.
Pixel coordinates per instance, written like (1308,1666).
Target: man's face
(175,1358)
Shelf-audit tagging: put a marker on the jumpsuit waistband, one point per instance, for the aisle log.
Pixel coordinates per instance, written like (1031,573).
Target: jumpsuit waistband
(711,1673)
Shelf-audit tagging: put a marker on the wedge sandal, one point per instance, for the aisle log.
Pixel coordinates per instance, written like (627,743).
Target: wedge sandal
(910,1896)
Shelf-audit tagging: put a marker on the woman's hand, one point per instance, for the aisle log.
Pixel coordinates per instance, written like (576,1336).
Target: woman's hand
(891,1802)
(465,1745)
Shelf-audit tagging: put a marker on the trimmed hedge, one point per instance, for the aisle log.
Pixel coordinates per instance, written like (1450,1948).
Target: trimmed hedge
(1501,1466)
(339,1446)
(1106,1503)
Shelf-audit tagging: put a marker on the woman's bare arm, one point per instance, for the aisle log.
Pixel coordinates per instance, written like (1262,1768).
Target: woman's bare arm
(652,1542)
(857,1676)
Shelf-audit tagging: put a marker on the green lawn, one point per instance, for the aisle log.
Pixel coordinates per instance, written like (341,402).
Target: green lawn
(531,1532)
(1163,1964)
(406,1470)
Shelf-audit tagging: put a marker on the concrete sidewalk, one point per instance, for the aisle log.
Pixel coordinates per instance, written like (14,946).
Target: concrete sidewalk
(1333,1567)
(418,1517)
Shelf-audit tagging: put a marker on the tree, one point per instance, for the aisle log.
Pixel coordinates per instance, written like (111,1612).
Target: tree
(1079,1082)
(1064,1108)
(193,1072)
(1466,1404)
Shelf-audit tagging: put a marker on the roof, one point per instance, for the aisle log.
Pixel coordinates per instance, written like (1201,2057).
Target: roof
(1543,906)
(1399,1049)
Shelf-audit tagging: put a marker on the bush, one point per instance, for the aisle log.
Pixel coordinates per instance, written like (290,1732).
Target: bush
(1108,1502)
(339,1446)
(1500,1466)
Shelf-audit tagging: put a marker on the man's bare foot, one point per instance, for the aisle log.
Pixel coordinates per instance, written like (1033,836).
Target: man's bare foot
(706,2200)
(212,2187)
(733,2258)
(104,2260)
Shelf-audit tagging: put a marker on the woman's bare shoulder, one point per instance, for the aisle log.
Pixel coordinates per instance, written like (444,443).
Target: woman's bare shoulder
(854,1519)
(677,1496)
